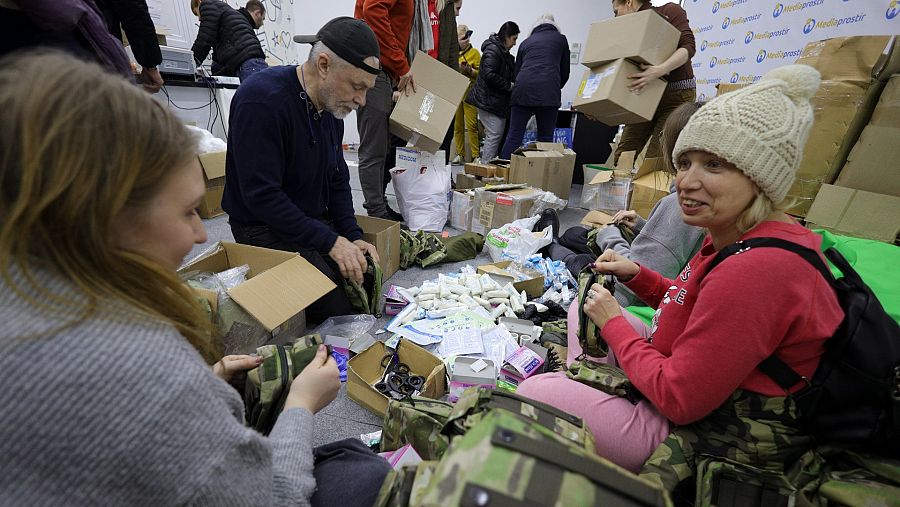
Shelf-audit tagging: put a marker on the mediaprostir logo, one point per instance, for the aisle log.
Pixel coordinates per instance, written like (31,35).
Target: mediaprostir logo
(725,61)
(768,34)
(764,55)
(701,29)
(726,5)
(795,7)
(734,77)
(893,10)
(715,44)
(729,21)
(812,23)
(761,56)
(715,7)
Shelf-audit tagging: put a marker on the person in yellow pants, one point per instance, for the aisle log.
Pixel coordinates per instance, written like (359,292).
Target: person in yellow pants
(467,114)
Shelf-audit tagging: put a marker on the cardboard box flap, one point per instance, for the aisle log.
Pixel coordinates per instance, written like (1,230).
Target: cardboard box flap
(213,164)
(604,176)
(545,146)
(432,75)
(649,165)
(856,212)
(596,218)
(277,294)
(854,58)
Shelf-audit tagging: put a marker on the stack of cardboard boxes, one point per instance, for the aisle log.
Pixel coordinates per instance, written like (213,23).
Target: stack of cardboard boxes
(478,175)
(615,48)
(547,166)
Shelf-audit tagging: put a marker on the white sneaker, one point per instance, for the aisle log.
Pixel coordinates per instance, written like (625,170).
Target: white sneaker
(476,160)
(456,160)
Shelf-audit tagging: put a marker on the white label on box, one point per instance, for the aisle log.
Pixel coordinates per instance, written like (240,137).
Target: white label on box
(594,80)
(427,106)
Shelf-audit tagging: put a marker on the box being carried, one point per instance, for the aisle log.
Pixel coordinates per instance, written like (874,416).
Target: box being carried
(423,117)
(214,175)
(547,166)
(271,302)
(643,37)
(604,94)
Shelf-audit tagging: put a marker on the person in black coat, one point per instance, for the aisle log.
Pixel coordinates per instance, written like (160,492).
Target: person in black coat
(231,35)
(492,89)
(542,69)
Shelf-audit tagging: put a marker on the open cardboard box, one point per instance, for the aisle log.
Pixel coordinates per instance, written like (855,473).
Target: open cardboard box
(644,37)
(651,183)
(547,166)
(279,286)
(856,213)
(610,189)
(214,175)
(534,287)
(364,370)
(596,218)
(385,235)
(498,206)
(423,117)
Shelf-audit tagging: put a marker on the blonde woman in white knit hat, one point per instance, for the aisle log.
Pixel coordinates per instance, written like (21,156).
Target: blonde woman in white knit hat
(697,364)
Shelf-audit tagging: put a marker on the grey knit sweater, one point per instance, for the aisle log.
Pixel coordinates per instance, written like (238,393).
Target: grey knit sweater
(664,243)
(123,411)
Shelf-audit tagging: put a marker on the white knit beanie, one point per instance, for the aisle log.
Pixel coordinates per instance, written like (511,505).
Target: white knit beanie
(761,129)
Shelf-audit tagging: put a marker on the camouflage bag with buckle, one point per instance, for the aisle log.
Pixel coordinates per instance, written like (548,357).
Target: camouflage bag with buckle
(589,337)
(405,486)
(627,234)
(604,377)
(267,385)
(417,421)
(506,459)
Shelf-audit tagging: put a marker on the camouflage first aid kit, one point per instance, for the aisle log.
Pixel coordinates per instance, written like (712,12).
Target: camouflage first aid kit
(365,297)
(588,333)
(604,377)
(268,384)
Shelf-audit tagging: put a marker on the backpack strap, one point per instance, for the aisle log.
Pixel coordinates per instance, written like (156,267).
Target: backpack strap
(773,366)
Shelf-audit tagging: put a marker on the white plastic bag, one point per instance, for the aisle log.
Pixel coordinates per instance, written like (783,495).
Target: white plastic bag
(515,241)
(424,193)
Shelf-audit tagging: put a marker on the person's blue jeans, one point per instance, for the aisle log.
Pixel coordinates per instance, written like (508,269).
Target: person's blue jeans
(251,66)
(518,120)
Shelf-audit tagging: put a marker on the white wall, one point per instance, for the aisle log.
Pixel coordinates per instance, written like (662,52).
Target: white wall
(483,17)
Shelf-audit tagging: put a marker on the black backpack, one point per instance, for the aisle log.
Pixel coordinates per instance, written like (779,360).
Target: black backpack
(854,396)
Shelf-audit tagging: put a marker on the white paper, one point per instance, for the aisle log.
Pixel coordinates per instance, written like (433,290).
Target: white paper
(479,365)
(462,342)
(498,344)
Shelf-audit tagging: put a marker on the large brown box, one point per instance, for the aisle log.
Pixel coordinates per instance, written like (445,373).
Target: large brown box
(854,59)
(385,235)
(496,208)
(856,213)
(214,175)
(644,37)
(548,166)
(604,94)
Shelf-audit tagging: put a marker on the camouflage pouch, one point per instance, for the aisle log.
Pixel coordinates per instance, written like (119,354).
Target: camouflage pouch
(605,377)
(401,487)
(462,247)
(627,234)
(268,384)
(588,334)
(365,298)
(417,421)
(410,246)
(727,482)
(506,460)
(476,402)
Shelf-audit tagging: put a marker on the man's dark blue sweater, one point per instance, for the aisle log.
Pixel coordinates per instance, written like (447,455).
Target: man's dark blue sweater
(285,167)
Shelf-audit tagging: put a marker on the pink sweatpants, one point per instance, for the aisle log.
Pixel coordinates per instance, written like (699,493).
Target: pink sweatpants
(625,434)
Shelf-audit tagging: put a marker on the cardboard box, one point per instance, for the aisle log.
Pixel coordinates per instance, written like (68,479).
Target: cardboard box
(214,175)
(723,88)
(534,287)
(604,94)
(644,37)
(547,166)
(422,118)
(854,59)
(596,218)
(279,286)
(365,369)
(461,207)
(887,111)
(856,213)
(650,184)
(872,165)
(464,376)
(483,170)
(385,235)
(495,208)
(841,111)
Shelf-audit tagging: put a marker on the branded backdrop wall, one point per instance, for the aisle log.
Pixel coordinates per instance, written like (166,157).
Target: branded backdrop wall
(739,40)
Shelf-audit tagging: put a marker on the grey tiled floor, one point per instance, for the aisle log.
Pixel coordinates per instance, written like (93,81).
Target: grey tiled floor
(343,418)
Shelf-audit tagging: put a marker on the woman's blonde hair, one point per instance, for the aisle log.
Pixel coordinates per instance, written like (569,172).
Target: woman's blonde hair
(759,210)
(79,147)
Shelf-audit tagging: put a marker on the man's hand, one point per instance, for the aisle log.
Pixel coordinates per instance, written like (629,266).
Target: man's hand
(368,248)
(407,83)
(150,79)
(229,365)
(641,79)
(317,385)
(349,259)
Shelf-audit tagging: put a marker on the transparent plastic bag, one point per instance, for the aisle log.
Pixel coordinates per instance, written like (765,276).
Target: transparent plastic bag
(354,327)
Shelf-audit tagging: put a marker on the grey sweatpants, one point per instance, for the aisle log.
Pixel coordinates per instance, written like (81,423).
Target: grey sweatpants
(493,134)
(374,143)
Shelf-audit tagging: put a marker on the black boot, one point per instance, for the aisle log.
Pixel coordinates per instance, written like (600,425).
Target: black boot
(548,218)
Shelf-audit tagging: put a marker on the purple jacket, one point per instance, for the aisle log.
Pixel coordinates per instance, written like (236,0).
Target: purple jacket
(542,68)
(84,18)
